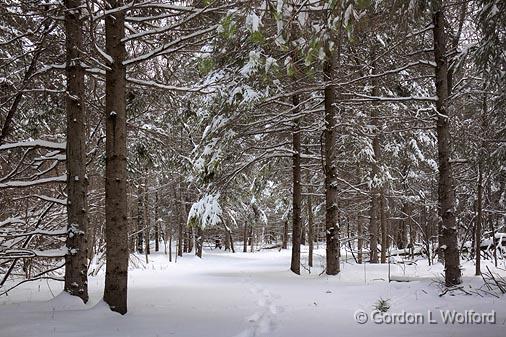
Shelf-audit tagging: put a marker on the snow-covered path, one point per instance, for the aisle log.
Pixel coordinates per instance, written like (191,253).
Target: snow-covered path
(246,295)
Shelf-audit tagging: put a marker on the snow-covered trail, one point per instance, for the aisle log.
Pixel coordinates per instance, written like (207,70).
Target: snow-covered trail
(245,295)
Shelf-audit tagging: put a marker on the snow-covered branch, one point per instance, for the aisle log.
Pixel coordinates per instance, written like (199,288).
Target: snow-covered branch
(30,183)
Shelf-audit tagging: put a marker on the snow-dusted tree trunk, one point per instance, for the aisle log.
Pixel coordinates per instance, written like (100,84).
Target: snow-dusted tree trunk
(229,242)
(445,189)
(245,237)
(479,207)
(296,190)
(360,240)
(330,135)
(180,218)
(383,228)
(284,244)
(76,264)
(147,218)
(310,226)
(375,179)
(157,224)
(140,220)
(190,233)
(116,226)
(199,241)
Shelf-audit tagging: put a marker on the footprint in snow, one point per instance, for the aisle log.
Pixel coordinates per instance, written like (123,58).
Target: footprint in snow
(262,321)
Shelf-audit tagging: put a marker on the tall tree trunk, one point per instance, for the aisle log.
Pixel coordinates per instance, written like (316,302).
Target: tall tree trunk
(402,233)
(232,248)
(116,228)
(169,238)
(157,225)
(147,219)
(180,222)
(226,236)
(445,191)
(296,191)
(373,230)
(284,244)
(245,237)
(230,239)
(199,241)
(250,235)
(389,229)
(252,238)
(360,240)
(427,231)
(92,238)
(310,225)
(330,135)
(479,207)
(76,264)
(186,241)
(132,226)
(375,184)
(140,220)
(479,202)
(383,226)
(412,233)
(191,239)
(191,233)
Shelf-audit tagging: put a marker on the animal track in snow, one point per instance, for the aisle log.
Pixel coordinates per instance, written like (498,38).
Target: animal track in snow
(262,321)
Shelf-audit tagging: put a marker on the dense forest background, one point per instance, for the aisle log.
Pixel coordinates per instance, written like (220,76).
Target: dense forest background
(373,127)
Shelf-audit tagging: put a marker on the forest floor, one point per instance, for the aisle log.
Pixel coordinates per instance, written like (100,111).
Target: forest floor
(254,294)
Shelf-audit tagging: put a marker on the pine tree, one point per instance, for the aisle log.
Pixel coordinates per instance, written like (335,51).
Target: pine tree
(76,264)
(116,227)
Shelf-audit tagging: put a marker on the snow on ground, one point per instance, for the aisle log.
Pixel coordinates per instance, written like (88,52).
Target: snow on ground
(246,295)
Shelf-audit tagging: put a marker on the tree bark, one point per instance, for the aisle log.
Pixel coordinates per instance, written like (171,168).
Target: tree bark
(232,248)
(427,231)
(445,191)
(360,240)
(383,226)
(402,232)
(252,237)
(375,184)
(147,219)
(76,264)
(186,241)
(132,226)
(180,225)
(296,191)
(169,238)
(140,221)
(284,244)
(330,135)
(191,239)
(479,207)
(412,233)
(199,241)
(157,225)
(479,202)
(373,230)
(245,238)
(226,237)
(191,233)
(116,228)
(310,225)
